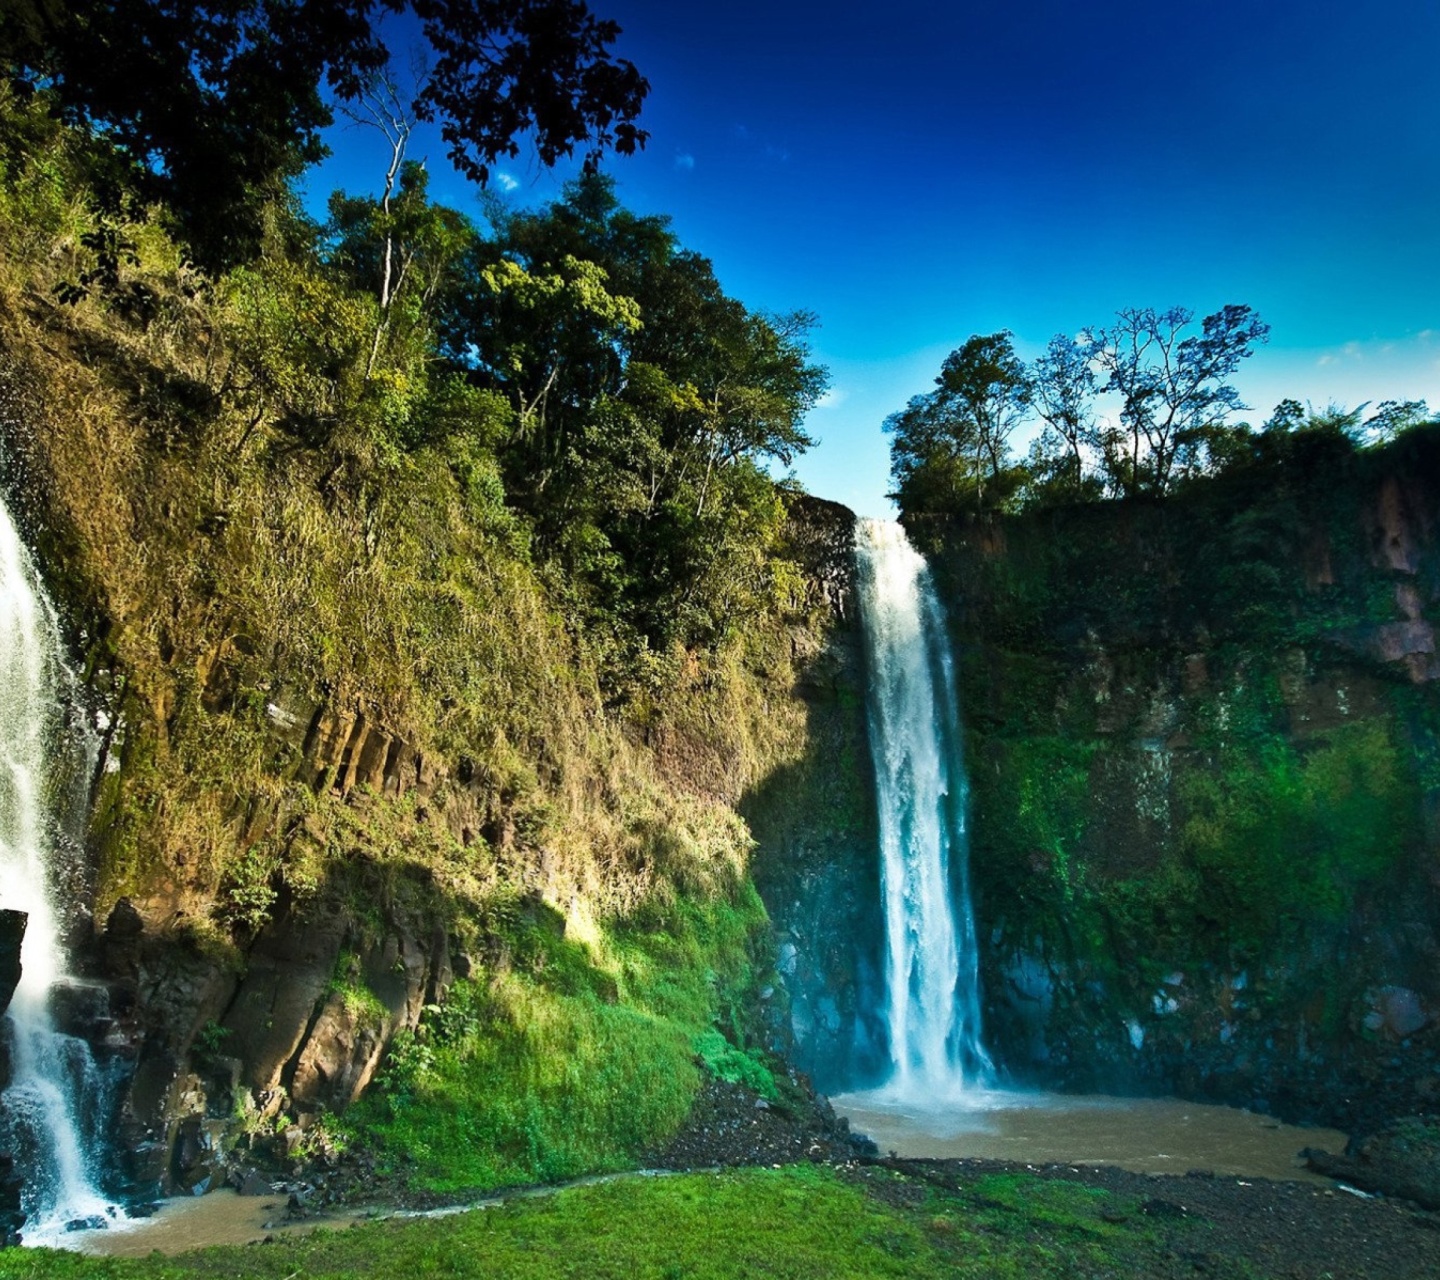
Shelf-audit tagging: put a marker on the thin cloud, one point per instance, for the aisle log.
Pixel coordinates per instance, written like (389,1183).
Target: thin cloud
(684,162)
(506,182)
(832,399)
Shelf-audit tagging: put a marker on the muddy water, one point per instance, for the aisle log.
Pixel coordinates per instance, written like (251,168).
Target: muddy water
(1145,1135)
(222,1217)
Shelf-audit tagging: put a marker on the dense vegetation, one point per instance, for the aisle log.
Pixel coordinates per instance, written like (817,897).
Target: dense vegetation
(503,493)
(1166,423)
(211,108)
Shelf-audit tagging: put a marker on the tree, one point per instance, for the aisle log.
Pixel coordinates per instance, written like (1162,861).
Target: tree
(951,447)
(1172,388)
(1063,394)
(218,104)
(1394,417)
(648,403)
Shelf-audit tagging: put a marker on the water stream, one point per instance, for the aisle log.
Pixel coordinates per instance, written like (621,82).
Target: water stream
(55,1086)
(931,960)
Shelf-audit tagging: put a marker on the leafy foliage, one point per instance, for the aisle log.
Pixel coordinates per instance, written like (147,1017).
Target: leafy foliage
(341,509)
(1169,407)
(950,449)
(576,1059)
(218,104)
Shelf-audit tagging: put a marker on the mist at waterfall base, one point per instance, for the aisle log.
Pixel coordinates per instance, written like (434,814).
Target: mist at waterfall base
(943,1097)
(51,1114)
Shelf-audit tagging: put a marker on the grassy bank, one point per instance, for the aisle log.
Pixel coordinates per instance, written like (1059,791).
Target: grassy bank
(797,1222)
(577,1058)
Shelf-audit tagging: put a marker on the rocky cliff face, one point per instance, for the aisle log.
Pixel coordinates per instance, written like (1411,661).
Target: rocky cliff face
(222,1035)
(816,861)
(12,934)
(1204,743)
(247,1017)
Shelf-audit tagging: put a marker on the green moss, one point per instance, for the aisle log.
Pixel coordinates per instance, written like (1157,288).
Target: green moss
(735,1066)
(577,1057)
(1279,838)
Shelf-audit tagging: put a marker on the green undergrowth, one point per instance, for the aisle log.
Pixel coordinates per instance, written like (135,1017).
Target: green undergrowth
(577,1055)
(798,1223)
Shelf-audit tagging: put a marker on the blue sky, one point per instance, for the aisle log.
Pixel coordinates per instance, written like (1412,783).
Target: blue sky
(915,173)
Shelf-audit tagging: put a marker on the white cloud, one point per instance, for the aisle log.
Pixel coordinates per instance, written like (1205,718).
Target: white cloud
(506,182)
(684,161)
(832,399)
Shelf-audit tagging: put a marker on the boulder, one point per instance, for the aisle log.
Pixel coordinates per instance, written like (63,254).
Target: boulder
(1401,1160)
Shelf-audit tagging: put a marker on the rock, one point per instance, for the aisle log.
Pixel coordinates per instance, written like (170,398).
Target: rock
(12,1217)
(251,1182)
(12,934)
(1400,1012)
(1401,1160)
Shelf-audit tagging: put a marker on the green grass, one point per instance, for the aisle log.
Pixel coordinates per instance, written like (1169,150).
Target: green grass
(576,1058)
(797,1223)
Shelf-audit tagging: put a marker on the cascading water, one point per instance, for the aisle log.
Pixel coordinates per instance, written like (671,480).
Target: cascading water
(932,973)
(54,1079)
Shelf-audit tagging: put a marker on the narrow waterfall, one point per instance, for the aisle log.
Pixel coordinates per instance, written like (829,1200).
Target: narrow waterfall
(54,1080)
(932,976)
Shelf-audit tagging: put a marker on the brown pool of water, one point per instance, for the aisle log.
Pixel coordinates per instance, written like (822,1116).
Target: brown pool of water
(223,1217)
(1144,1135)
(194,1222)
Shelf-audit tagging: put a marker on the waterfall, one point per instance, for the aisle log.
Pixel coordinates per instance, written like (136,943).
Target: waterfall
(931,959)
(54,1082)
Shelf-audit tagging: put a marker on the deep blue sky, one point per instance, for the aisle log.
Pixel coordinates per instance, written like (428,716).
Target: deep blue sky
(915,173)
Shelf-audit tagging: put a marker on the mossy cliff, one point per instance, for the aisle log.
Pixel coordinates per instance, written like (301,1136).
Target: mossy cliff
(1204,752)
(376,816)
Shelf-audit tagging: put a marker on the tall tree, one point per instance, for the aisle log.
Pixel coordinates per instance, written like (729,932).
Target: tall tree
(1172,387)
(951,446)
(648,404)
(1063,382)
(219,103)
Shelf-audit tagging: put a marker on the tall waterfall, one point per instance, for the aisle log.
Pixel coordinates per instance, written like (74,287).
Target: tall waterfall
(54,1080)
(931,964)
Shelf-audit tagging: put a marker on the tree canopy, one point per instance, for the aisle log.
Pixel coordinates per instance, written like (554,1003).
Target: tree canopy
(217,104)
(951,450)
(633,406)
(951,445)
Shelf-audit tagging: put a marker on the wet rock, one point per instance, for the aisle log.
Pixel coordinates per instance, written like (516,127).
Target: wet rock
(12,1217)
(200,1155)
(12,933)
(1401,1160)
(251,1182)
(95,1222)
(1396,1011)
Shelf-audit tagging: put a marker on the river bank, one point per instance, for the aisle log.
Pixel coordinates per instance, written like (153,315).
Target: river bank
(869,1217)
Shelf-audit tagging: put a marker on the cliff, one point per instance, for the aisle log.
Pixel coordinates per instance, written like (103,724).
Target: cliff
(1203,751)
(405,832)
(816,862)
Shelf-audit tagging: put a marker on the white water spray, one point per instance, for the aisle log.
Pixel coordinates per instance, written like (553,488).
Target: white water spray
(52,1073)
(932,976)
